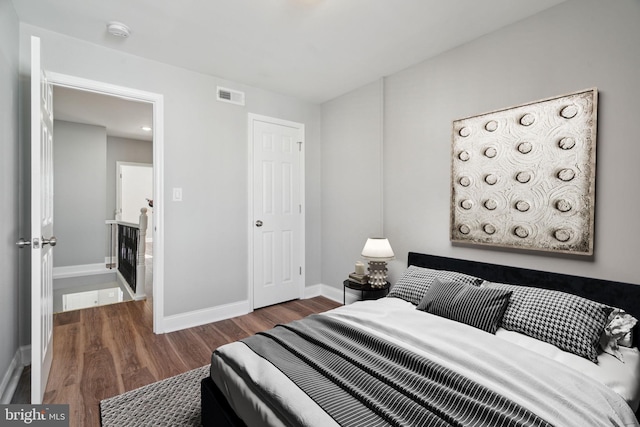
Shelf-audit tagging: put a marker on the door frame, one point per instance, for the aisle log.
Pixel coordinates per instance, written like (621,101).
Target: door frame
(157,102)
(252,118)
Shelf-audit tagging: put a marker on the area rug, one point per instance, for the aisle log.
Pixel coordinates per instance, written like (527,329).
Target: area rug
(171,402)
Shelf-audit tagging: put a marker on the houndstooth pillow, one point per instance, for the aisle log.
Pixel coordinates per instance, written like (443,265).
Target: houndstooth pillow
(569,322)
(415,281)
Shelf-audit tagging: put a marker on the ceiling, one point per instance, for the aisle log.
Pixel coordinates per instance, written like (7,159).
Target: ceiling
(121,117)
(314,50)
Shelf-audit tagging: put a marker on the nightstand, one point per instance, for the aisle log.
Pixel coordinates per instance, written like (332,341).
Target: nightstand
(374,293)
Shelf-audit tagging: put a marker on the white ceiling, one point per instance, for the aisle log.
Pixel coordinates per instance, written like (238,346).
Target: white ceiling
(122,118)
(310,49)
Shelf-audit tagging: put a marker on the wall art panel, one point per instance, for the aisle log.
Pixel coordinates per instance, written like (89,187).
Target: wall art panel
(524,177)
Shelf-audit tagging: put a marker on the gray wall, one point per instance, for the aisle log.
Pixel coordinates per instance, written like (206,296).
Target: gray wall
(123,150)
(206,155)
(351,178)
(9,161)
(80,186)
(576,45)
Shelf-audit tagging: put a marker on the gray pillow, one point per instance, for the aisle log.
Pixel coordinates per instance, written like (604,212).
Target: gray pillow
(569,322)
(481,308)
(415,281)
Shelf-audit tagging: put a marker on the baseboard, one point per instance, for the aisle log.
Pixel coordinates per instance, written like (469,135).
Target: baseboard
(204,316)
(11,377)
(322,290)
(25,355)
(227,311)
(331,292)
(313,291)
(79,270)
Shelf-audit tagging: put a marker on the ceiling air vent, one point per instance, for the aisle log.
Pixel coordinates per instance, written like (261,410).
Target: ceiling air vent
(232,96)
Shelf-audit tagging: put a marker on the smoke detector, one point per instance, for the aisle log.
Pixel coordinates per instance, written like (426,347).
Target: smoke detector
(118,29)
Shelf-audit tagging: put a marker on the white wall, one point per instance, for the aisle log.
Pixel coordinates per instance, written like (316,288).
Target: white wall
(79,199)
(351,179)
(9,161)
(206,155)
(576,45)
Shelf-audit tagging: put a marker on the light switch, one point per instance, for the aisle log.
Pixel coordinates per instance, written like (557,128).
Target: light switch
(177,194)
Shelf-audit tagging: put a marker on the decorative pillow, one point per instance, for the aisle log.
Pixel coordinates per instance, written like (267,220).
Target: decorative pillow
(481,308)
(617,332)
(569,322)
(415,281)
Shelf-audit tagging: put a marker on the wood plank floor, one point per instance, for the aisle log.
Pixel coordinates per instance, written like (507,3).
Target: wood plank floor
(104,351)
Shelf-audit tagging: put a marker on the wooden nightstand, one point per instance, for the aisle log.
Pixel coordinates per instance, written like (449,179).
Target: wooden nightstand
(374,293)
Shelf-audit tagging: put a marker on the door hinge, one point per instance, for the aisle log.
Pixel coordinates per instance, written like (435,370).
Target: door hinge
(299,145)
(300,208)
(301,270)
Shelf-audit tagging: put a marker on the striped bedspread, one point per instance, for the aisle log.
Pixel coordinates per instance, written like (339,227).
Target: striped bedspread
(361,379)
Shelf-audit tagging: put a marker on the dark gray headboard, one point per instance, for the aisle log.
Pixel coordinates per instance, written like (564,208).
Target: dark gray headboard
(616,294)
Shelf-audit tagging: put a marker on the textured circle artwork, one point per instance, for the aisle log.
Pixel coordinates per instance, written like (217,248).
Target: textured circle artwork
(524,177)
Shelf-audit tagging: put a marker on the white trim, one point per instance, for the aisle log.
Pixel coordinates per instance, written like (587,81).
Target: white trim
(11,377)
(327,291)
(25,355)
(215,314)
(157,101)
(207,315)
(80,270)
(313,291)
(300,126)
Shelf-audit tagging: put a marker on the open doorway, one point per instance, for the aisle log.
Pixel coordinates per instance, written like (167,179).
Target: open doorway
(117,142)
(95,134)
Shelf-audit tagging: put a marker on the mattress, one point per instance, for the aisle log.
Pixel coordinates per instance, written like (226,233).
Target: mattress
(563,389)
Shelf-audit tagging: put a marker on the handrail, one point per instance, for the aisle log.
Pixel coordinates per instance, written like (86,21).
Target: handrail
(119,222)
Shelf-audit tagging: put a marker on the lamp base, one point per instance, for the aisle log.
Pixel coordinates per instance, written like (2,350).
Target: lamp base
(377,274)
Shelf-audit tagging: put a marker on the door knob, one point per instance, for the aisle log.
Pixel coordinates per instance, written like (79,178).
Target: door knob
(22,243)
(52,241)
(258,223)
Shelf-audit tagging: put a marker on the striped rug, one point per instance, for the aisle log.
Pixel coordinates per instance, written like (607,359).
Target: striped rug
(173,401)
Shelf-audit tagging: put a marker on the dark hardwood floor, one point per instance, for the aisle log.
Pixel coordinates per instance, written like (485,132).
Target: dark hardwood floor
(104,351)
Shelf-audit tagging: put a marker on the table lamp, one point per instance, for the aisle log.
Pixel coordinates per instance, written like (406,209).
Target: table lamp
(378,251)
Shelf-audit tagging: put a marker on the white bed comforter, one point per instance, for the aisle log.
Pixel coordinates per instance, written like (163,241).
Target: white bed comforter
(559,394)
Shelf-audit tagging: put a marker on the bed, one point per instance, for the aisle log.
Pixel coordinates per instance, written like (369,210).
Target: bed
(420,356)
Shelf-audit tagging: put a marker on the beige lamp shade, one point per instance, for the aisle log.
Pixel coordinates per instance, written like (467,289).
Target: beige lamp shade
(377,249)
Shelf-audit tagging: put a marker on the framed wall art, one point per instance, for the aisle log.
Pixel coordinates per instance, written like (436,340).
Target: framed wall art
(524,177)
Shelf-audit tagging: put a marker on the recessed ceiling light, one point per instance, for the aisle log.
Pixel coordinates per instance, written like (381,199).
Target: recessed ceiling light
(146,128)
(118,29)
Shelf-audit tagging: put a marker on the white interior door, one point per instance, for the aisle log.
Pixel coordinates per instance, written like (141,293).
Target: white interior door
(133,189)
(278,221)
(42,239)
